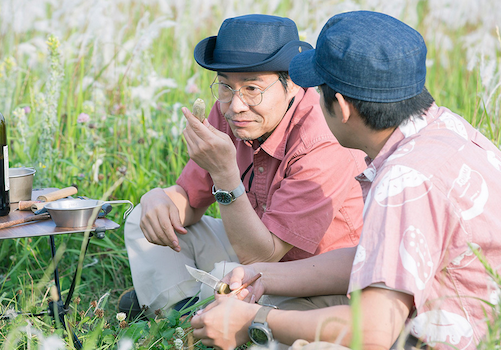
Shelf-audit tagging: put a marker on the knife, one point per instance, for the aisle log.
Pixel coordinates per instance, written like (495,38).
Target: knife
(215,283)
(206,278)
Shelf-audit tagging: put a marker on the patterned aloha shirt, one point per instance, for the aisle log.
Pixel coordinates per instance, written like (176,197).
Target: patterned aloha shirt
(432,196)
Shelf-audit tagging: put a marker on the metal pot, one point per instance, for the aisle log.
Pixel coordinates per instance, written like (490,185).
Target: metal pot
(80,212)
(21,184)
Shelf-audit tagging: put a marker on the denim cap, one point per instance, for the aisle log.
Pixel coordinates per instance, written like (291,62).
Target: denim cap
(367,56)
(251,43)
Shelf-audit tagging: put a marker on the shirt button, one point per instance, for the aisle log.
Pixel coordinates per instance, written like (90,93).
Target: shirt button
(260,169)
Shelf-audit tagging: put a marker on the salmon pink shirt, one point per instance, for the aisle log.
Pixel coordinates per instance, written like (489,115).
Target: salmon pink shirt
(432,196)
(302,181)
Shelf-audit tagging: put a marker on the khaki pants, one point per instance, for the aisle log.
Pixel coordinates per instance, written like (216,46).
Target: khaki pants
(159,274)
(161,279)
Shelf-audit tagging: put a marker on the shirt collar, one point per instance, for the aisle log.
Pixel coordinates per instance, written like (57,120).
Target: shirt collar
(275,144)
(408,128)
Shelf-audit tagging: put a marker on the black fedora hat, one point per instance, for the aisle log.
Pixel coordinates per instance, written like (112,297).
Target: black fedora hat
(251,43)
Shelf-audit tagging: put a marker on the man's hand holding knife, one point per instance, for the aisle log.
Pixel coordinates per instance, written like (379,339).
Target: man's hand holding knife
(224,323)
(233,283)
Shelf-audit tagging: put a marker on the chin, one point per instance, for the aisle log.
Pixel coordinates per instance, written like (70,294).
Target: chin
(243,136)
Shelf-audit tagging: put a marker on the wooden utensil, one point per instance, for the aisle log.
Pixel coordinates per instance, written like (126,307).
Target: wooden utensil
(26,205)
(37,206)
(245,285)
(62,193)
(24,220)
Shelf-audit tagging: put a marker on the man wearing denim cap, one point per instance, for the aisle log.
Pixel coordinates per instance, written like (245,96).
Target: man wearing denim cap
(432,197)
(285,186)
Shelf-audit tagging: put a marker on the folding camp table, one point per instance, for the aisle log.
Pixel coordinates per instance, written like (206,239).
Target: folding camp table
(48,228)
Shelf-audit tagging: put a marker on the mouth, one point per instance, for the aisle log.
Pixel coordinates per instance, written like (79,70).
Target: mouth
(239,120)
(240,123)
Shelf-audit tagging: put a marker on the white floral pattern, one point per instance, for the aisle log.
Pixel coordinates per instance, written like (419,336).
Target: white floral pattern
(415,256)
(442,326)
(429,204)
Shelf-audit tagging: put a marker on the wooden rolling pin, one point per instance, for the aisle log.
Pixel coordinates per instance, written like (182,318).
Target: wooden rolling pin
(26,219)
(38,206)
(62,193)
(26,205)
(43,199)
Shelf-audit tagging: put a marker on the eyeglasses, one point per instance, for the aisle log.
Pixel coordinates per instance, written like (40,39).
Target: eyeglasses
(250,95)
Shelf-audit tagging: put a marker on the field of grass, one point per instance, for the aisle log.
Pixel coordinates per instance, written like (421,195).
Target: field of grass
(92,91)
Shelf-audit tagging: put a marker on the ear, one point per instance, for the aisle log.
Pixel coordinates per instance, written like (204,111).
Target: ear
(292,88)
(345,107)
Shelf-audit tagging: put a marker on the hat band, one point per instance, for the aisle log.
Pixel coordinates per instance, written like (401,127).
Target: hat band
(237,57)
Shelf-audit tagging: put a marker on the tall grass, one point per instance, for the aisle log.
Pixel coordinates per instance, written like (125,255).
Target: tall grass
(113,90)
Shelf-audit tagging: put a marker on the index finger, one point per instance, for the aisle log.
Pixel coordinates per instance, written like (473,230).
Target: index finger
(237,276)
(190,117)
(194,128)
(161,235)
(246,284)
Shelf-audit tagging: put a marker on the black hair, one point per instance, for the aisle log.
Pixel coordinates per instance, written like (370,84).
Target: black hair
(382,115)
(283,76)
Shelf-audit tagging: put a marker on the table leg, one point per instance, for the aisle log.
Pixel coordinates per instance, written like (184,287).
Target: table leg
(74,282)
(63,309)
(59,309)
(56,272)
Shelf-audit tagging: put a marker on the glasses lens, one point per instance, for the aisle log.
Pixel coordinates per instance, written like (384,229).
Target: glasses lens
(251,95)
(222,92)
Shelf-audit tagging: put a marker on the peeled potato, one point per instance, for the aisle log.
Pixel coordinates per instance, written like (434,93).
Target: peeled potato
(199,109)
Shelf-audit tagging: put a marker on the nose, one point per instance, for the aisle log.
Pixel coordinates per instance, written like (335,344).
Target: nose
(237,105)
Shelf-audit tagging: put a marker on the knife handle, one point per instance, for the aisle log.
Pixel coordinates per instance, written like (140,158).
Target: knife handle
(245,285)
(223,288)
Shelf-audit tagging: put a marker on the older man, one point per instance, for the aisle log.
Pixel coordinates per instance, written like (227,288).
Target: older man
(432,198)
(285,186)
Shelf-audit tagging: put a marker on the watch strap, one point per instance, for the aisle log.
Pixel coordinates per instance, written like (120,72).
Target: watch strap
(240,190)
(262,314)
(237,192)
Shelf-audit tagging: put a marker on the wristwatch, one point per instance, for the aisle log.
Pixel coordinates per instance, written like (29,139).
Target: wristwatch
(227,197)
(259,332)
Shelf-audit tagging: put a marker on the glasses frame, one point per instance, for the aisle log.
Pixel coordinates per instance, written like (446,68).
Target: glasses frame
(240,95)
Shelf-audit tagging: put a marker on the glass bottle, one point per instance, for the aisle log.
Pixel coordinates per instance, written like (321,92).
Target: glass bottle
(4,169)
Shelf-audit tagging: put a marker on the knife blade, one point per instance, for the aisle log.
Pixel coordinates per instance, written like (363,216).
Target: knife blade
(206,278)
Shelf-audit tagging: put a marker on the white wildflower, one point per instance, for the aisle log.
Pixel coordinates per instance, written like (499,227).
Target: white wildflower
(179,332)
(52,342)
(125,344)
(11,314)
(121,316)
(178,344)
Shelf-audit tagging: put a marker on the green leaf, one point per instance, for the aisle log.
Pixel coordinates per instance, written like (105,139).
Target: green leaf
(168,333)
(173,317)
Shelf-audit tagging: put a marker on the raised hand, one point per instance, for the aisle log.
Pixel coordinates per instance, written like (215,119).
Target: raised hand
(160,219)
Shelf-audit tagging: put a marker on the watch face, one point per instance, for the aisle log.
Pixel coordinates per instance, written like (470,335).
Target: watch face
(223,197)
(258,336)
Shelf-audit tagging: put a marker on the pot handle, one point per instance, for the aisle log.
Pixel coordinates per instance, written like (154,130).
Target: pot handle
(129,209)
